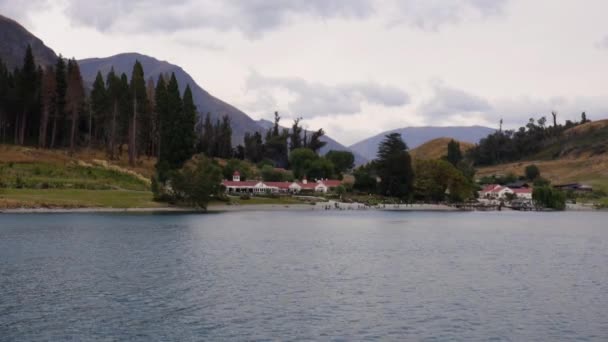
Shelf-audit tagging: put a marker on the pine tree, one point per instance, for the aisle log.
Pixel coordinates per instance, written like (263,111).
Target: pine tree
(206,142)
(111,123)
(61,86)
(48,105)
(75,99)
(150,122)
(295,139)
(187,126)
(139,102)
(170,157)
(394,167)
(161,112)
(28,95)
(225,142)
(100,102)
(454,153)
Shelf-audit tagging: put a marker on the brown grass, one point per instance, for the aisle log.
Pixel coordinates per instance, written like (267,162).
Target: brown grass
(587,170)
(144,167)
(436,148)
(586,127)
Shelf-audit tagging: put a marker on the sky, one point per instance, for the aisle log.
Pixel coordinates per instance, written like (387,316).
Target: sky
(357,67)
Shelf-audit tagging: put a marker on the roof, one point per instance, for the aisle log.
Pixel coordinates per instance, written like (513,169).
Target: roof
(331,183)
(308,186)
(240,184)
(236,173)
(489,187)
(522,191)
(280,185)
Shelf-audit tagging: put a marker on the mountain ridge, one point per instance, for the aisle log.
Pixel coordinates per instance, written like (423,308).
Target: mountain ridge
(14,39)
(416,136)
(153,67)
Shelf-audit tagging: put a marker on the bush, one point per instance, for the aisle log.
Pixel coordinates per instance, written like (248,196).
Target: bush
(547,197)
(532,172)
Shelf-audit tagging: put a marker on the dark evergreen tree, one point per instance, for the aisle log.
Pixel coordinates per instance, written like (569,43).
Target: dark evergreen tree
(295,139)
(61,86)
(99,106)
(394,167)
(139,111)
(29,92)
(315,143)
(75,101)
(454,153)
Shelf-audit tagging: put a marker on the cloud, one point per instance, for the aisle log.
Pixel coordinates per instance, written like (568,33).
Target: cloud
(254,18)
(251,17)
(447,102)
(432,15)
(450,105)
(603,43)
(314,99)
(20,10)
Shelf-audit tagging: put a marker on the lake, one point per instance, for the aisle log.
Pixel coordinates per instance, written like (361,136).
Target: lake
(304,276)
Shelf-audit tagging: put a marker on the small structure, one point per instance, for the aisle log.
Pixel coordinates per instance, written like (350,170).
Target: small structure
(496,191)
(576,187)
(523,193)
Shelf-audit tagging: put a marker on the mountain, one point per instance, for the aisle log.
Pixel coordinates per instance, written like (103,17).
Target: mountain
(437,148)
(14,40)
(205,102)
(416,136)
(331,143)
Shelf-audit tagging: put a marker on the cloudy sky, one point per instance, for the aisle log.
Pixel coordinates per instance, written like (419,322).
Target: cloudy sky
(357,67)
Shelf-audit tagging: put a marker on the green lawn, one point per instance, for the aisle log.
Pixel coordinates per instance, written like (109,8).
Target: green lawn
(76,198)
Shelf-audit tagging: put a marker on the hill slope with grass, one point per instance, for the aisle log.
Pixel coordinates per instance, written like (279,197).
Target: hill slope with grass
(33,178)
(578,155)
(437,148)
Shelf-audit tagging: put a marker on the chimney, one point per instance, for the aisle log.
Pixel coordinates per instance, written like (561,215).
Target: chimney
(304,180)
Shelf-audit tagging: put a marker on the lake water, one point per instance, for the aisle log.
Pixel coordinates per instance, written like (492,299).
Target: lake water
(304,276)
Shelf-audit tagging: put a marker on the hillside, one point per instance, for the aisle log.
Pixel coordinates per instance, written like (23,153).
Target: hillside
(205,102)
(37,178)
(331,143)
(14,40)
(579,155)
(416,136)
(436,148)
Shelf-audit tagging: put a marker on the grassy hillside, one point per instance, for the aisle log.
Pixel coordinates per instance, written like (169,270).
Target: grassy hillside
(586,140)
(32,177)
(436,148)
(579,155)
(587,170)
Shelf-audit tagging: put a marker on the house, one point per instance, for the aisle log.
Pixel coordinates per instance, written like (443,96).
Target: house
(236,186)
(496,191)
(523,193)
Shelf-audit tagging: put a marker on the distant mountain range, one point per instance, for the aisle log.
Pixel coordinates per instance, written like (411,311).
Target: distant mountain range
(14,39)
(416,136)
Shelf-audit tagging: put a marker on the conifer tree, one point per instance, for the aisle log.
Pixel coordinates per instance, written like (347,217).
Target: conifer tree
(48,105)
(99,105)
(28,95)
(61,86)
(161,110)
(139,103)
(75,99)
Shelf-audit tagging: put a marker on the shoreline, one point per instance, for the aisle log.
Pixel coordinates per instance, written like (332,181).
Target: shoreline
(225,208)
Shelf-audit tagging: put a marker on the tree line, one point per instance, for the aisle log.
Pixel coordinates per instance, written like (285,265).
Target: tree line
(505,146)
